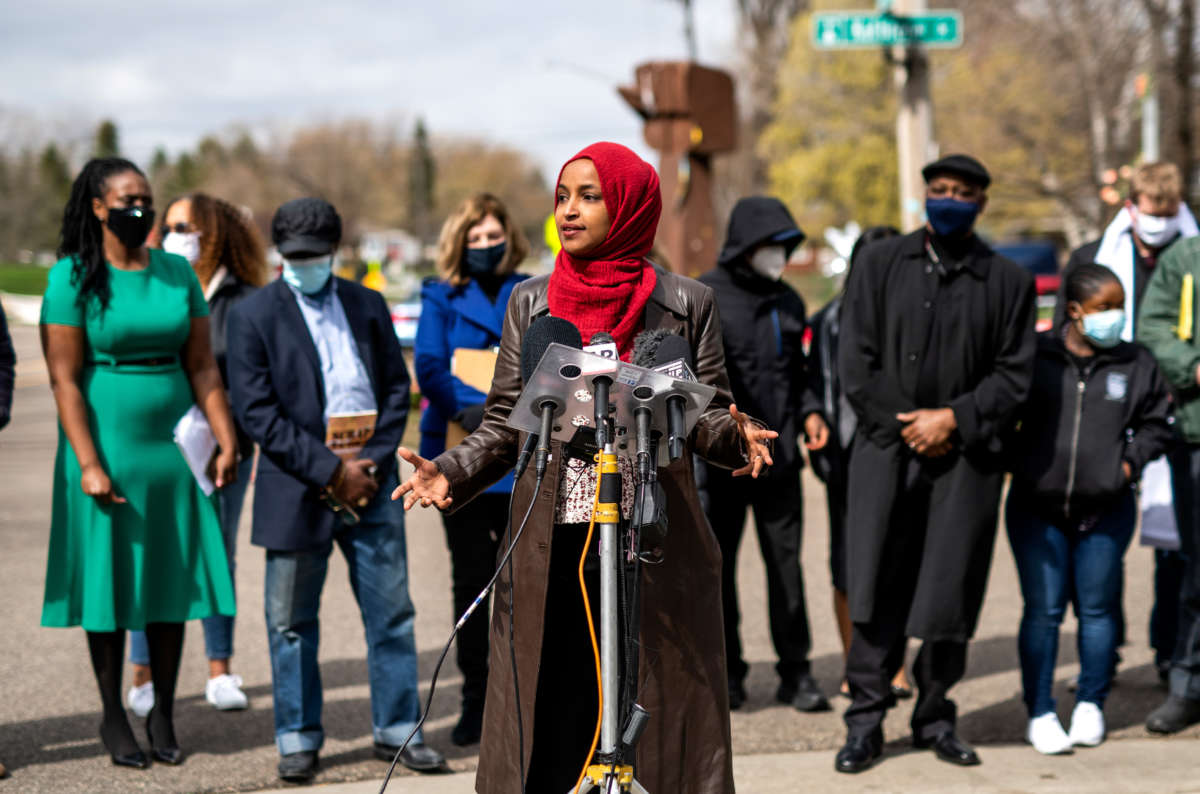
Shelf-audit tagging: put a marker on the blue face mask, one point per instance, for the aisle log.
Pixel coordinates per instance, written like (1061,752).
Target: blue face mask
(483,261)
(309,275)
(950,217)
(1103,329)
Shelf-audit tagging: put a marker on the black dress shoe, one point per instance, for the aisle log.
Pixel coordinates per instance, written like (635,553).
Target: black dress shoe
(298,767)
(166,753)
(737,695)
(418,756)
(950,749)
(137,759)
(859,753)
(808,695)
(1175,714)
(470,724)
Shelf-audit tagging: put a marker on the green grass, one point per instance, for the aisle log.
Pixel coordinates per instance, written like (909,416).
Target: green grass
(23,279)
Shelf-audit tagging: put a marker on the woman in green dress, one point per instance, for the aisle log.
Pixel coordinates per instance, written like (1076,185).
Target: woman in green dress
(134,541)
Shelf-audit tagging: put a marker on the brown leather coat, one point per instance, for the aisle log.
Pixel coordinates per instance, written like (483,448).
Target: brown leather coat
(683,684)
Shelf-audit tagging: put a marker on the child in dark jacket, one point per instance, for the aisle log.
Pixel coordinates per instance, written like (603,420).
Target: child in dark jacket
(1097,413)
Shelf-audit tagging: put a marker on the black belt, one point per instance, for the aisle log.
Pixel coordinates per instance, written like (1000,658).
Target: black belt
(159,361)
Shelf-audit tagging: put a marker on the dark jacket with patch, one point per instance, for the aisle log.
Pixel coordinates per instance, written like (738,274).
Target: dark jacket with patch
(1081,424)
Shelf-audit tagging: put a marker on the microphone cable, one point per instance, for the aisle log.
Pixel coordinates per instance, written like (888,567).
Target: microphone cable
(587,611)
(505,560)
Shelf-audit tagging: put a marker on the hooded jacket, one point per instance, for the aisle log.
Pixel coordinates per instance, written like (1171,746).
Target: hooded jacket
(1080,425)
(763,324)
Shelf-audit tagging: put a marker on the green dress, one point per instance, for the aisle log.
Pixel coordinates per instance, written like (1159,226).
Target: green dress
(160,557)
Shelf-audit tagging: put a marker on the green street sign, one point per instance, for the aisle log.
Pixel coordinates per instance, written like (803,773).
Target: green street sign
(866,29)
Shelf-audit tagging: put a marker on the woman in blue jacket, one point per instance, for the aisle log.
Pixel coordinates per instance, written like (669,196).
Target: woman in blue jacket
(479,250)
(1097,413)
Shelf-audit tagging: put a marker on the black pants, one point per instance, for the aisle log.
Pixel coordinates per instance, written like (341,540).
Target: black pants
(779,518)
(877,647)
(473,534)
(1164,615)
(1185,664)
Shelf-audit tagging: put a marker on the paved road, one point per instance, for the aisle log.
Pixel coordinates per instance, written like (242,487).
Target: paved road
(49,711)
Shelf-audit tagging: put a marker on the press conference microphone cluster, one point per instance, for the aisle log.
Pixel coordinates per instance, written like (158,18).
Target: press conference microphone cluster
(542,333)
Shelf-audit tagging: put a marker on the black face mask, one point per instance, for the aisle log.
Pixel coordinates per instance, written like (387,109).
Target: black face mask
(479,262)
(131,225)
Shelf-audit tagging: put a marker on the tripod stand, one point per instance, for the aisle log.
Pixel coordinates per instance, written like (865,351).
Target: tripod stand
(608,773)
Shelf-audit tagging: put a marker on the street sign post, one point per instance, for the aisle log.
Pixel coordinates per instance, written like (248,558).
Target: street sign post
(870,29)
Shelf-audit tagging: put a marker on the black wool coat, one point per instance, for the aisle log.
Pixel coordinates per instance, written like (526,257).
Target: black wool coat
(920,332)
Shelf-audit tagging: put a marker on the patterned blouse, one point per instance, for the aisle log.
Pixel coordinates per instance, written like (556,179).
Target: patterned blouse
(577,490)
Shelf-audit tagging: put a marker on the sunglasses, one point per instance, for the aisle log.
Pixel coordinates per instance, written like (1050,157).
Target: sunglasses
(179,228)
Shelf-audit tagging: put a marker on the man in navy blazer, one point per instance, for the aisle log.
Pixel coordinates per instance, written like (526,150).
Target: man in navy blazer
(302,349)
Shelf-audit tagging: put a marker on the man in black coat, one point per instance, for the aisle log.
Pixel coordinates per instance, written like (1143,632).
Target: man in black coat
(936,355)
(302,350)
(763,323)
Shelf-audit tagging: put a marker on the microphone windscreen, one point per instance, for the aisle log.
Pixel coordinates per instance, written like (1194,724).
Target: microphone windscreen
(674,347)
(601,338)
(645,346)
(542,333)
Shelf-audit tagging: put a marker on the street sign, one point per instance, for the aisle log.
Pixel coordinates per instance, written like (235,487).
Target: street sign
(867,29)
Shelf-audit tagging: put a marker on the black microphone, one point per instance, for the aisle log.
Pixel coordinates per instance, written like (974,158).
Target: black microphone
(674,355)
(542,333)
(600,388)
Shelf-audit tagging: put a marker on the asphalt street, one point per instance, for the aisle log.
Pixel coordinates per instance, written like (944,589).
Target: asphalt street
(50,711)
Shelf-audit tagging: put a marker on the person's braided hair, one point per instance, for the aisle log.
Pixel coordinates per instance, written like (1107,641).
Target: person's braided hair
(227,237)
(82,235)
(1085,280)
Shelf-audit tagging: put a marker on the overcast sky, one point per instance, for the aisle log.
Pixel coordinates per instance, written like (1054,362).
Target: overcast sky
(537,74)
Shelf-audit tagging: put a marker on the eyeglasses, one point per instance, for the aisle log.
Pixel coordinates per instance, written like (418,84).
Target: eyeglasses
(179,228)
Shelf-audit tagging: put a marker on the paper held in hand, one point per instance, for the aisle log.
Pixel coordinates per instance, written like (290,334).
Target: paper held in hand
(196,441)
(347,434)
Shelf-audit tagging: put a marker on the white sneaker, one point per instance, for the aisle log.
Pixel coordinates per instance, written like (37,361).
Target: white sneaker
(1087,724)
(225,692)
(1047,736)
(141,699)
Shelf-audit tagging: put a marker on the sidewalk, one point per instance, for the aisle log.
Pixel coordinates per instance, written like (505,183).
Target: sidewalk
(1131,765)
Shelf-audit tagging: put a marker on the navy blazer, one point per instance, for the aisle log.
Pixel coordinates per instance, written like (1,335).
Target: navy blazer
(279,399)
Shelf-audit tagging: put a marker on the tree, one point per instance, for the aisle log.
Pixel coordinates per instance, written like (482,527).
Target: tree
(107,143)
(421,175)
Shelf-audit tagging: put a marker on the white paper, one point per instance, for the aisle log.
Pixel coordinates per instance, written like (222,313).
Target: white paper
(1158,512)
(196,441)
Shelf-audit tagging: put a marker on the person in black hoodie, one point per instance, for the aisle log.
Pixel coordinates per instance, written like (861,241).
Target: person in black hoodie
(1098,412)
(763,324)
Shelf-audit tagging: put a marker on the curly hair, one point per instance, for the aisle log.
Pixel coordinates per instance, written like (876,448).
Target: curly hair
(227,237)
(82,235)
(453,239)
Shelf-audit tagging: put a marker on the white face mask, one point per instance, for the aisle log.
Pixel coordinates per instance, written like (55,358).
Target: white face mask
(186,244)
(1156,230)
(769,261)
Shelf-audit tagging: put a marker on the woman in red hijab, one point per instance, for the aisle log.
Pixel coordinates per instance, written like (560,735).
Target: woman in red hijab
(538,728)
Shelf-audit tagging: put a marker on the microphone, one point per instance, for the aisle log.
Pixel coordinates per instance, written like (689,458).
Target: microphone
(542,333)
(674,358)
(601,341)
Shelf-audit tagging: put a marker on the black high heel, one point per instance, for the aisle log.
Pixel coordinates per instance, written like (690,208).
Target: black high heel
(135,759)
(170,754)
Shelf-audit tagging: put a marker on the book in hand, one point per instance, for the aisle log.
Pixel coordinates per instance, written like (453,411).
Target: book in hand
(347,434)
(194,437)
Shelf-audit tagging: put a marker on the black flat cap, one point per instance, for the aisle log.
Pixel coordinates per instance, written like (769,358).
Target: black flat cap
(306,226)
(961,165)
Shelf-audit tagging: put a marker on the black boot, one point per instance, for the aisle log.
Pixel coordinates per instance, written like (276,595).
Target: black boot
(166,648)
(1175,714)
(470,724)
(859,752)
(107,649)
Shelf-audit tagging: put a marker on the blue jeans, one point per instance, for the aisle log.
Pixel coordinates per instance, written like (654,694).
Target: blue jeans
(218,629)
(375,552)
(1056,566)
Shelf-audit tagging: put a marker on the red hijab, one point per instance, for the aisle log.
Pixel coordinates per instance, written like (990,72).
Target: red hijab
(607,290)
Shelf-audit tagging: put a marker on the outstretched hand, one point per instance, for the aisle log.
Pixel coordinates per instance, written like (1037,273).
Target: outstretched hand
(427,485)
(757,448)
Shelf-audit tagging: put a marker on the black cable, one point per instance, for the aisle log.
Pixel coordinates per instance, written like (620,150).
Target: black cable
(454,633)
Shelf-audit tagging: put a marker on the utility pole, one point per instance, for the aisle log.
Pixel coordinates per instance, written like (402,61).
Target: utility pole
(914,118)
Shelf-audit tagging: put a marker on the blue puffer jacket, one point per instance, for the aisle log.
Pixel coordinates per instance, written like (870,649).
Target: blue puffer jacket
(452,318)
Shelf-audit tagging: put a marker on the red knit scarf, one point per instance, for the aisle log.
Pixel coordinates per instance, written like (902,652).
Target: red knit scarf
(607,289)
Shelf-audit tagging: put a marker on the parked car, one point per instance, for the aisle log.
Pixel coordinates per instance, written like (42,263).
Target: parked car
(405,317)
(1041,259)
